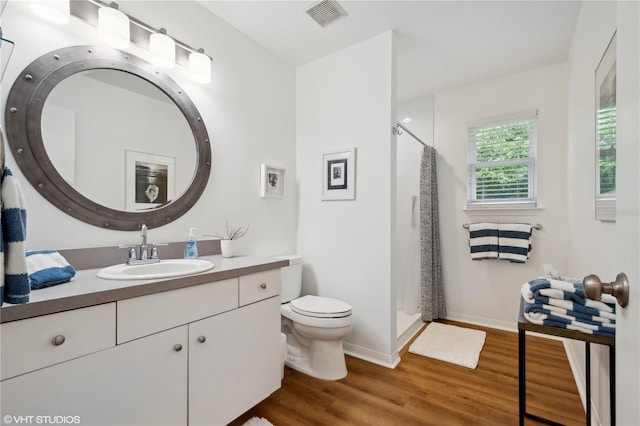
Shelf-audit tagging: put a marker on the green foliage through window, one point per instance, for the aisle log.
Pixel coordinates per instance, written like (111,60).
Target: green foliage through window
(607,150)
(502,161)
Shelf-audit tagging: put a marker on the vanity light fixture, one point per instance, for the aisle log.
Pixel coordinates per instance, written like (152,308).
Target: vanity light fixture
(165,51)
(200,67)
(114,26)
(57,11)
(162,49)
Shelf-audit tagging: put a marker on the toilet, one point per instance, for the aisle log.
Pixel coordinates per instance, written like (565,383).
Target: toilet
(314,327)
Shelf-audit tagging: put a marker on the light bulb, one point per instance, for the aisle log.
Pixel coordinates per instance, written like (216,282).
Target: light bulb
(200,67)
(114,27)
(163,50)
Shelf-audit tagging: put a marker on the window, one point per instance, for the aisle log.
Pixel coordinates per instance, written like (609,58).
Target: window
(606,134)
(502,163)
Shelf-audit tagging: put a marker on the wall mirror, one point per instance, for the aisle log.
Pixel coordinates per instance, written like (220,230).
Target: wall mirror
(606,119)
(108,139)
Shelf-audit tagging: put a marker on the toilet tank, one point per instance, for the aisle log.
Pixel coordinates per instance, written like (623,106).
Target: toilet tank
(291,278)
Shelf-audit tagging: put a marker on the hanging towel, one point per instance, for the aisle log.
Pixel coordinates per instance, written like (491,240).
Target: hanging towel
(47,268)
(483,241)
(514,241)
(14,233)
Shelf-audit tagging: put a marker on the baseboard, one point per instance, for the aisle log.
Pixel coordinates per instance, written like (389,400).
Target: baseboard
(385,360)
(581,382)
(578,376)
(485,322)
(409,334)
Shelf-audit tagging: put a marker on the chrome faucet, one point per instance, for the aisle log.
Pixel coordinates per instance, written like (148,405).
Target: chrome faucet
(143,247)
(141,255)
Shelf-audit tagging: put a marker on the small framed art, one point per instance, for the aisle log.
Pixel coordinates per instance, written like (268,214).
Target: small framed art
(339,175)
(150,180)
(271,181)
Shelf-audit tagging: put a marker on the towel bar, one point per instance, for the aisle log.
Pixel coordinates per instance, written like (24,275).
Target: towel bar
(537,226)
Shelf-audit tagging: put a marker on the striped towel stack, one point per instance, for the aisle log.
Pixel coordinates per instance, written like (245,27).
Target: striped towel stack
(507,241)
(563,304)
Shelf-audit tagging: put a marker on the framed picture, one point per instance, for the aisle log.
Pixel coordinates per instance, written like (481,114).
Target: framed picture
(606,123)
(271,181)
(339,175)
(150,180)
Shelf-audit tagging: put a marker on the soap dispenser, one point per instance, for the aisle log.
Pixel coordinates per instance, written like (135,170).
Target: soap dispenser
(191,246)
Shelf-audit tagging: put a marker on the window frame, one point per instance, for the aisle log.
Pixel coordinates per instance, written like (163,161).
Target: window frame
(605,203)
(529,117)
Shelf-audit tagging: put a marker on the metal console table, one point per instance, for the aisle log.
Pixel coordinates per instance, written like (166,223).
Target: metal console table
(524,326)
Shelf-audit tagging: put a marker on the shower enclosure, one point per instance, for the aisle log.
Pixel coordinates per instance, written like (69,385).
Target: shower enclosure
(406,256)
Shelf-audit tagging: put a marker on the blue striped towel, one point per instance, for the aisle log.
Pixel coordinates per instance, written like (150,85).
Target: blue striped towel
(13,215)
(539,315)
(564,293)
(563,304)
(514,241)
(47,268)
(483,241)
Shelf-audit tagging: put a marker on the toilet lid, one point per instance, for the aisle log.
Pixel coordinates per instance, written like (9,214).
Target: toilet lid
(320,307)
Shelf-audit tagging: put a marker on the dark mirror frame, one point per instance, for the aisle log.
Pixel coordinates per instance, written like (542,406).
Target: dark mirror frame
(24,136)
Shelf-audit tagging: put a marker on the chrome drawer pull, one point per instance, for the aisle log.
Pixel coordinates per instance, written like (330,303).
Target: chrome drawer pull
(58,340)
(263,286)
(202,339)
(177,347)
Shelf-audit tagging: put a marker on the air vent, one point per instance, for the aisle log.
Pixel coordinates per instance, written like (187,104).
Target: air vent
(326,12)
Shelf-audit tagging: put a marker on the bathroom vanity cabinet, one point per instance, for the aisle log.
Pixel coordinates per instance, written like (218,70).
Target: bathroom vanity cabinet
(199,355)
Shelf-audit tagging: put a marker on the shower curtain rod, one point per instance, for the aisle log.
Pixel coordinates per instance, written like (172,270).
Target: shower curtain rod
(398,132)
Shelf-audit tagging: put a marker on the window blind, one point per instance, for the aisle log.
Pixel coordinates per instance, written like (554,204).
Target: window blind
(501,161)
(606,152)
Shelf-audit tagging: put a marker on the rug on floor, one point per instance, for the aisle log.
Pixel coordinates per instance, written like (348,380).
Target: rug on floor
(450,343)
(257,421)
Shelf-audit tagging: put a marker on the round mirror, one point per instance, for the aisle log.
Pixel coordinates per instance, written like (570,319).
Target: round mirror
(106,138)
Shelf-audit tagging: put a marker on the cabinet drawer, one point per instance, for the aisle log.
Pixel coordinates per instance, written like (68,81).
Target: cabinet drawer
(30,344)
(145,315)
(259,286)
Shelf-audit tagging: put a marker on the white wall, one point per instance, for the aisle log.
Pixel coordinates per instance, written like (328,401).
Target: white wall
(487,291)
(344,100)
(249,110)
(594,244)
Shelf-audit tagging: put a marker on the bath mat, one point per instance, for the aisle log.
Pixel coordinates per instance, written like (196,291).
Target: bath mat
(257,421)
(449,343)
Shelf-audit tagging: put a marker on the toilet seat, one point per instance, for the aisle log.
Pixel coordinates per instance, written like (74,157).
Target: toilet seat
(320,307)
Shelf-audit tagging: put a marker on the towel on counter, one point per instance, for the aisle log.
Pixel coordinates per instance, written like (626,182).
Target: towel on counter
(563,304)
(483,240)
(514,241)
(13,234)
(47,268)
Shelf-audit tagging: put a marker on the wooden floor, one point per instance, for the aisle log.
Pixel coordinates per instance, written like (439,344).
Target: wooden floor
(425,391)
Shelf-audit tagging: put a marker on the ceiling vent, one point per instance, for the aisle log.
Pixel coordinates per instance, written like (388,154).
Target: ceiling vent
(326,12)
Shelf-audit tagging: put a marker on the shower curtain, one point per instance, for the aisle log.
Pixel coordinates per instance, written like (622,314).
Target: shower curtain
(432,291)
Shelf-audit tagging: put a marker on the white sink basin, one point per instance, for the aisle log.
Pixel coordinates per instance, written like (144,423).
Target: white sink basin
(163,269)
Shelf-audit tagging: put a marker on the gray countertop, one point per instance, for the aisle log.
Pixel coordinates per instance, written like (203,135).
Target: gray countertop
(86,289)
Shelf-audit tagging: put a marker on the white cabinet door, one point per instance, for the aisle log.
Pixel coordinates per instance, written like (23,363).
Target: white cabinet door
(237,365)
(143,382)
